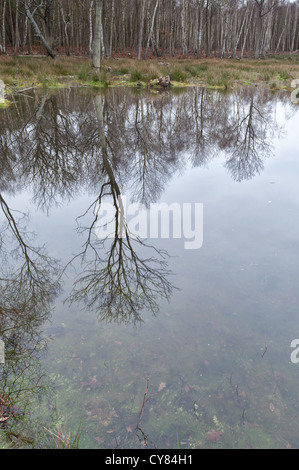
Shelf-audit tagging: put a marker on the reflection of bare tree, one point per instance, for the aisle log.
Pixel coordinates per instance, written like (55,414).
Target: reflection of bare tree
(32,268)
(51,143)
(52,154)
(249,141)
(27,289)
(117,281)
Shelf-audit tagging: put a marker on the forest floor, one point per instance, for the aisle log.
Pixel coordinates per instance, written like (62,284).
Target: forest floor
(22,72)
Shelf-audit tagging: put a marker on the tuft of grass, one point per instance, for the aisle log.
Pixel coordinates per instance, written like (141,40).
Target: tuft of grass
(83,75)
(136,75)
(192,70)
(177,74)
(120,71)
(100,79)
(62,438)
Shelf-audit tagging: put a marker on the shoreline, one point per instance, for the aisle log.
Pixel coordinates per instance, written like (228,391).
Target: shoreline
(21,73)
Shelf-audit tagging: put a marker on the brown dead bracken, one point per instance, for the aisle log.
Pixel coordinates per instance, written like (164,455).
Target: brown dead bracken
(213,436)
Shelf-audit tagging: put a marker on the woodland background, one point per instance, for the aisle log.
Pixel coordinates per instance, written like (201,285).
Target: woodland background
(147,28)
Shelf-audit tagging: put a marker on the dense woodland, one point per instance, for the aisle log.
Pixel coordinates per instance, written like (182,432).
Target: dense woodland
(143,28)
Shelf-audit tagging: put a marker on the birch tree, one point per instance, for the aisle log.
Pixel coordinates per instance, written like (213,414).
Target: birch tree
(96,59)
(36,28)
(141,27)
(151,30)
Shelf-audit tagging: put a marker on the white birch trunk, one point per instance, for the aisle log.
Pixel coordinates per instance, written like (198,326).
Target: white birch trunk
(90,28)
(96,58)
(151,30)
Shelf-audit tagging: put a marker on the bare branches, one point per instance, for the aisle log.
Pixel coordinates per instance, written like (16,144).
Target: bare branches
(116,281)
(36,28)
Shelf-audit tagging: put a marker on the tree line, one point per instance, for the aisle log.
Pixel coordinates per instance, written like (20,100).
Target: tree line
(143,28)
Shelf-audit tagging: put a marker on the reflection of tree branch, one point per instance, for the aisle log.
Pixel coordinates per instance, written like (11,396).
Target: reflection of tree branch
(117,282)
(249,142)
(27,289)
(35,264)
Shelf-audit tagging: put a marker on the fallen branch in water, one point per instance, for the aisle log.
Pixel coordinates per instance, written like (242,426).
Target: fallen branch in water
(266,349)
(142,407)
(25,89)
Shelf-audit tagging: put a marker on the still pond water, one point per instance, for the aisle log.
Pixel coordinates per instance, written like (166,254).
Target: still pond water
(147,344)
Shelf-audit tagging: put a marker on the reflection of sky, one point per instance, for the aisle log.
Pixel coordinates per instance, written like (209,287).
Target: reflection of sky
(57,229)
(212,185)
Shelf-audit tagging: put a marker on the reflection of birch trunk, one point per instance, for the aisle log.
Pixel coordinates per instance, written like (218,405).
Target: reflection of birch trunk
(116,281)
(117,200)
(39,112)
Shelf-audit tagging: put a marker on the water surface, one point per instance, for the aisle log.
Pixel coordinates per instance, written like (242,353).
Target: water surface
(150,344)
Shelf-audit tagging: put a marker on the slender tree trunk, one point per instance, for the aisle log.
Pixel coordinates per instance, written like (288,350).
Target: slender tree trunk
(199,35)
(151,30)
(66,22)
(208,29)
(246,32)
(17,35)
(141,27)
(240,33)
(123,25)
(111,30)
(183,25)
(90,28)
(97,36)
(4,28)
(258,37)
(38,31)
(29,39)
(267,35)
(284,29)
(294,29)
(25,35)
(102,41)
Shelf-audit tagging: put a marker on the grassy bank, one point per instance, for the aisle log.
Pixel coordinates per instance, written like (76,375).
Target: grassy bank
(22,72)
